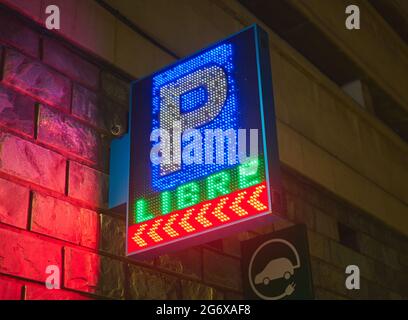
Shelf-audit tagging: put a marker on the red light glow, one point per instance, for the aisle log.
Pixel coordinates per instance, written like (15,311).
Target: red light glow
(199,218)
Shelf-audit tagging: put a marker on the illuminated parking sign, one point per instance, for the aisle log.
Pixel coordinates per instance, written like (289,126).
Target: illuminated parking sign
(200,159)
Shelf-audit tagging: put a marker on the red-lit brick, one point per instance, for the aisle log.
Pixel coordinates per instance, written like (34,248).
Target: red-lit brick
(68,135)
(27,256)
(64,221)
(35,79)
(31,162)
(10,290)
(85,106)
(13,204)
(62,59)
(88,185)
(14,33)
(88,272)
(37,292)
(16,111)
(81,270)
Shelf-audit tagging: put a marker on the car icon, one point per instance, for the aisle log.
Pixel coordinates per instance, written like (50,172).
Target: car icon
(275,269)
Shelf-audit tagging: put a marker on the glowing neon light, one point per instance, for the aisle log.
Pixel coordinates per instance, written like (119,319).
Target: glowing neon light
(218,184)
(152,232)
(168,229)
(184,221)
(222,93)
(165,202)
(200,92)
(218,210)
(201,217)
(189,194)
(136,236)
(249,173)
(235,205)
(141,213)
(254,200)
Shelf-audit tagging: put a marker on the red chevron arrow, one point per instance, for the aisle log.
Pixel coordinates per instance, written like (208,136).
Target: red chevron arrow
(184,224)
(152,232)
(136,236)
(217,211)
(167,227)
(229,208)
(235,207)
(200,217)
(253,200)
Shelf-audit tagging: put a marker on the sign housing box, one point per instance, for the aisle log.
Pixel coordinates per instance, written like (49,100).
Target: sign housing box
(169,208)
(276,266)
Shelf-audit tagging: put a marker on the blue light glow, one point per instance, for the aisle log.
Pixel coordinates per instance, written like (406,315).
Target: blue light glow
(221,57)
(193,99)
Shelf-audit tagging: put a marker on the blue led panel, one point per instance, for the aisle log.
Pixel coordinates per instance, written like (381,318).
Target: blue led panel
(193,99)
(193,94)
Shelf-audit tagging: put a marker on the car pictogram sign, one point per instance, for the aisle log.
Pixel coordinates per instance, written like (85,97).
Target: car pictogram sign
(276,266)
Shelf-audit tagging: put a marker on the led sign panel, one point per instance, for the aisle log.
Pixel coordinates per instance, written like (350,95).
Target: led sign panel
(203,152)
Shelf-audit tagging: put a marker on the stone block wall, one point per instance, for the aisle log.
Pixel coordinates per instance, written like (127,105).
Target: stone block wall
(55,115)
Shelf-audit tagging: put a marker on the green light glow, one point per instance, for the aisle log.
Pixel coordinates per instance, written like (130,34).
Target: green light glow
(188,195)
(218,184)
(165,202)
(221,183)
(140,213)
(249,174)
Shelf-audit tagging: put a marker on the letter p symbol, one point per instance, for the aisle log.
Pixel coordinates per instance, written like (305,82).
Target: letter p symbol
(213,80)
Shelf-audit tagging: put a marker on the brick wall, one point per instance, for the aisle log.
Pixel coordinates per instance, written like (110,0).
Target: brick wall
(55,109)
(56,106)
(55,115)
